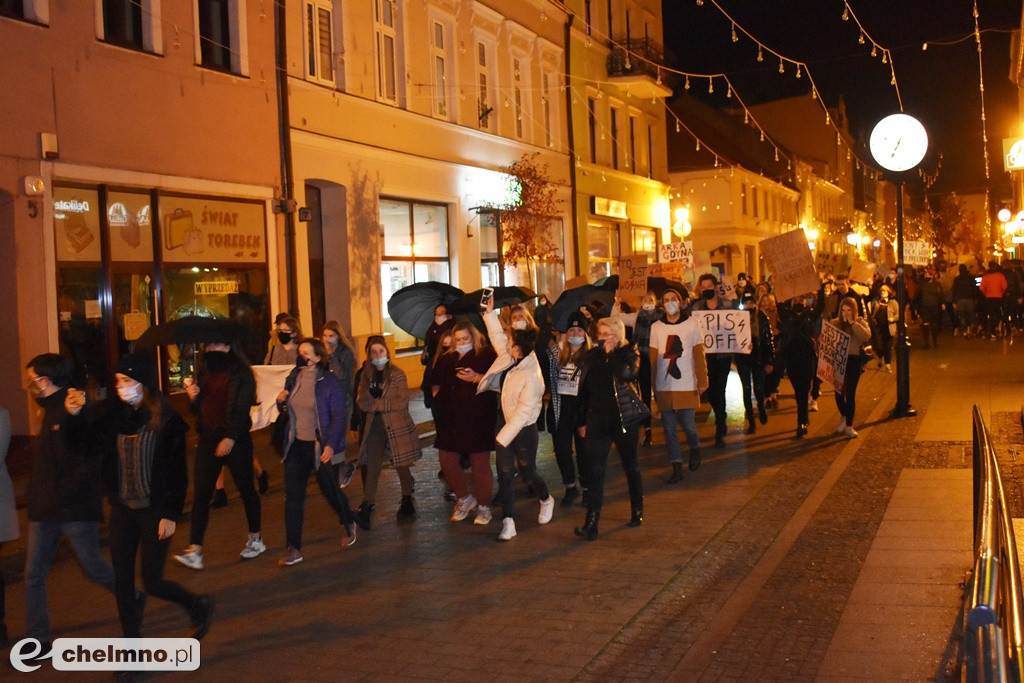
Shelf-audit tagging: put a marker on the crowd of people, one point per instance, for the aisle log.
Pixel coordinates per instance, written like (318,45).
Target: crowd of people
(592,381)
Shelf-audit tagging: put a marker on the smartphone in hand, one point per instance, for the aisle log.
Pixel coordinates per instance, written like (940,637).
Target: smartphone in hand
(486,297)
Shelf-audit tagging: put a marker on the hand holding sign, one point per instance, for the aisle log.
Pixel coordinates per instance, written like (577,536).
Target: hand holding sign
(725,331)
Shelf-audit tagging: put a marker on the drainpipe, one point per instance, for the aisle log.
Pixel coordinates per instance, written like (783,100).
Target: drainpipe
(286,204)
(572,145)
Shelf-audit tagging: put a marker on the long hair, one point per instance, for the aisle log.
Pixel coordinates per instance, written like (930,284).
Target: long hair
(343,337)
(292,323)
(441,351)
(850,302)
(479,342)
(617,327)
(567,355)
(319,349)
(531,324)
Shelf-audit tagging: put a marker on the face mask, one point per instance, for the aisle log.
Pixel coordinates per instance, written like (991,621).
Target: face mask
(798,307)
(216,360)
(131,395)
(301,361)
(576,341)
(672,308)
(284,337)
(463,349)
(518,324)
(331,342)
(709,294)
(648,307)
(439,319)
(379,362)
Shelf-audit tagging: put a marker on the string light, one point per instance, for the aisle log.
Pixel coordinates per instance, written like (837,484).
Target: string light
(760,55)
(735,38)
(782,67)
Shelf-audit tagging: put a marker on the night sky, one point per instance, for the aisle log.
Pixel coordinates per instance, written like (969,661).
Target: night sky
(938,85)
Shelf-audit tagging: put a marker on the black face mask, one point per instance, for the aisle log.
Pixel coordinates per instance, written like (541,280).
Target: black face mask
(799,307)
(285,337)
(709,294)
(301,361)
(217,361)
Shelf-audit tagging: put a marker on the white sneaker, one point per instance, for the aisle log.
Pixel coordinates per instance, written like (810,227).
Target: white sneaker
(253,548)
(508,529)
(841,427)
(463,508)
(191,558)
(547,508)
(851,432)
(483,515)
(812,406)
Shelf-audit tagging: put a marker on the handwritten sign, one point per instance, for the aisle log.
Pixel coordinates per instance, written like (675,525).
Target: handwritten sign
(790,261)
(862,271)
(678,252)
(669,271)
(726,331)
(725,288)
(917,253)
(833,349)
(632,277)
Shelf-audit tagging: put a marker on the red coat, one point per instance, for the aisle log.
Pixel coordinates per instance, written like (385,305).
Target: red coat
(465,421)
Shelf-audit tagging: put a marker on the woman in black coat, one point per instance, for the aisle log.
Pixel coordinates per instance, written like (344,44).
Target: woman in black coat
(608,369)
(798,325)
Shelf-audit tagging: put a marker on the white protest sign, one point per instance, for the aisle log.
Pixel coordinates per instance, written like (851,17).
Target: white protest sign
(833,349)
(725,288)
(792,266)
(917,253)
(724,331)
(678,252)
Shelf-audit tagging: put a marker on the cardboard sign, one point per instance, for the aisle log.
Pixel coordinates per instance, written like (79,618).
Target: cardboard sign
(632,277)
(577,281)
(833,348)
(725,288)
(678,252)
(792,266)
(725,331)
(669,271)
(863,272)
(917,253)
(134,324)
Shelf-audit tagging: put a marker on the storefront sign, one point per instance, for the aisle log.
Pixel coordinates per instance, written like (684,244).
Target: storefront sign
(217,287)
(76,224)
(632,277)
(202,230)
(601,206)
(833,349)
(725,331)
(1013,154)
(791,264)
(129,227)
(917,253)
(678,252)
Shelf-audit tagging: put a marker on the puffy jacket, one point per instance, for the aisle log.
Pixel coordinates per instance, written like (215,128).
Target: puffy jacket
(625,366)
(522,393)
(993,284)
(331,414)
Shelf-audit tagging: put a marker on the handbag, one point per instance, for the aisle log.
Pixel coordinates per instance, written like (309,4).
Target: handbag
(631,409)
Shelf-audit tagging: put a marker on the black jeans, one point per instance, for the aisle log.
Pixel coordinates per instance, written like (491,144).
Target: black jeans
(751,374)
(645,385)
(601,434)
(297,467)
(207,469)
(801,375)
(846,401)
(719,366)
(884,339)
(136,531)
(564,437)
(522,450)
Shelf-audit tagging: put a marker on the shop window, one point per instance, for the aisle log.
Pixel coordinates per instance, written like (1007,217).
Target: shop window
(415,249)
(490,256)
(602,249)
(645,241)
(320,41)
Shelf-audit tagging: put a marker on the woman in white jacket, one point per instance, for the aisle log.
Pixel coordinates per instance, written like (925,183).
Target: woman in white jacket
(517,377)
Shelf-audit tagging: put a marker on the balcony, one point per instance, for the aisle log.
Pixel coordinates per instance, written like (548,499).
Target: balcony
(633,67)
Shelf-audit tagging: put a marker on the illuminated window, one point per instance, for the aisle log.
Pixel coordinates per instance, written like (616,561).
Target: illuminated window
(319,41)
(602,249)
(485,101)
(439,62)
(645,240)
(385,24)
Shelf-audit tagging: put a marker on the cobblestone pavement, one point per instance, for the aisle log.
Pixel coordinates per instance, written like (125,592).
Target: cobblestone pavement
(740,572)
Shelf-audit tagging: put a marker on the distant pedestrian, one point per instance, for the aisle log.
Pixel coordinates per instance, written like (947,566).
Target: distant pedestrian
(965,299)
(752,368)
(443,323)
(719,364)
(993,288)
(641,322)
(930,297)
(846,400)
(564,364)
(798,320)
(885,313)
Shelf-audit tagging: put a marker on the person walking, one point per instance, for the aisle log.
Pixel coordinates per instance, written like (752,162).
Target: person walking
(930,298)
(388,429)
(965,299)
(285,351)
(607,417)
(641,322)
(516,376)
(719,364)
(885,313)
(753,367)
(993,288)
(466,421)
(846,400)
(65,493)
(564,364)
(221,397)
(679,376)
(143,441)
(8,515)
(798,325)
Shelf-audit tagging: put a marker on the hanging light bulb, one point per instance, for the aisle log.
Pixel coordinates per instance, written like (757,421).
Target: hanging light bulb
(861,39)
(686,85)
(735,38)
(828,119)
(762,136)
(760,55)
(789,165)
(746,117)
(924,46)
(782,67)
(587,42)
(846,12)
(677,125)
(728,90)
(658,79)
(700,2)
(177,43)
(885,57)
(628,65)
(798,73)
(711,84)
(892,81)
(716,162)
(776,154)
(698,145)
(874,51)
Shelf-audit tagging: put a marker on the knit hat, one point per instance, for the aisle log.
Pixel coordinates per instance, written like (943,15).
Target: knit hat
(577,320)
(141,367)
(680,292)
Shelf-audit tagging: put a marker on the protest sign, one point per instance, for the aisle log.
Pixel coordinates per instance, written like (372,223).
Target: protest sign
(678,252)
(632,277)
(725,288)
(669,271)
(863,272)
(724,331)
(917,253)
(833,347)
(789,259)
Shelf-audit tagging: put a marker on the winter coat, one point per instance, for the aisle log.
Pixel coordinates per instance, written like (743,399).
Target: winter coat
(342,361)
(8,511)
(522,392)
(65,483)
(858,330)
(464,419)
(891,312)
(964,288)
(331,406)
(393,407)
(602,388)
(240,398)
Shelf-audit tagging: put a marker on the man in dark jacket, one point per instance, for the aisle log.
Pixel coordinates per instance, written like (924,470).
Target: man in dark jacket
(965,298)
(64,492)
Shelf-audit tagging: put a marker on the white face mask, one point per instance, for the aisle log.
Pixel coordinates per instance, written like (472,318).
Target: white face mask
(576,341)
(439,319)
(518,324)
(672,307)
(463,349)
(131,395)
(379,362)
(648,307)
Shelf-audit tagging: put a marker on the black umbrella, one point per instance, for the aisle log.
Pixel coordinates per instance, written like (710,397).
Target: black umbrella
(572,299)
(503,296)
(412,307)
(194,329)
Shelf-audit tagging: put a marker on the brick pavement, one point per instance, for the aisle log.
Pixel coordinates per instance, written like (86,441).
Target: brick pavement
(756,554)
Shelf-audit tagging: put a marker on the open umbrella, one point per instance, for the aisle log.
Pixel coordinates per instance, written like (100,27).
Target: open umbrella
(194,329)
(572,299)
(503,296)
(412,307)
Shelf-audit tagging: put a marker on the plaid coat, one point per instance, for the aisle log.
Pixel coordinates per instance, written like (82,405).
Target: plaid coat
(403,447)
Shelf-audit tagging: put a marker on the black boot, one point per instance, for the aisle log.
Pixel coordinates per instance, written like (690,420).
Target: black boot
(637,517)
(589,528)
(362,515)
(406,509)
(677,473)
(762,415)
(220,499)
(571,494)
(694,459)
(751,424)
(647,437)
(636,498)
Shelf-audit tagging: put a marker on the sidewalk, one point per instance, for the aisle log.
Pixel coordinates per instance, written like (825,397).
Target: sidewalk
(777,559)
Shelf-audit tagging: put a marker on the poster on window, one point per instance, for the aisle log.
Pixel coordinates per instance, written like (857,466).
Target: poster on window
(725,331)
(205,230)
(789,259)
(833,349)
(76,224)
(130,226)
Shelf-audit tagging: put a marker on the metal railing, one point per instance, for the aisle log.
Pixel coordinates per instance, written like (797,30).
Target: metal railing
(992,635)
(623,59)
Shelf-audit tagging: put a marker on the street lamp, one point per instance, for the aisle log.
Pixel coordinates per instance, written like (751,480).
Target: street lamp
(898,143)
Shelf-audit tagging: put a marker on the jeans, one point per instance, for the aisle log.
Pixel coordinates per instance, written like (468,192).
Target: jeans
(670,422)
(846,401)
(644,379)
(719,366)
(43,538)
(207,469)
(600,437)
(297,467)
(522,450)
(884,349)
(751,374)
(965,314)
(564,438)
(993,315)
(483,479)
(131,532)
